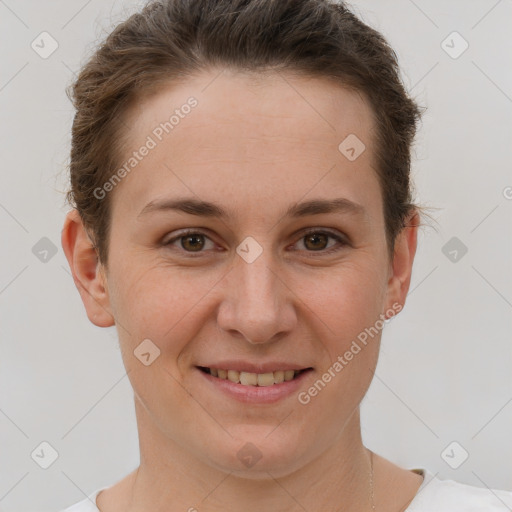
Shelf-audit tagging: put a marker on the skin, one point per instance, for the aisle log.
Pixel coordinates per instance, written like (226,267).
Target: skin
(255,146)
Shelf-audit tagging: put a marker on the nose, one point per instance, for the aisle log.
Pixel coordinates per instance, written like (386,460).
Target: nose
(257,305)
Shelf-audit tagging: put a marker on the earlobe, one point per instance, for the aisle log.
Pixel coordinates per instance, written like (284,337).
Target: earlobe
(86,270)
(403,259)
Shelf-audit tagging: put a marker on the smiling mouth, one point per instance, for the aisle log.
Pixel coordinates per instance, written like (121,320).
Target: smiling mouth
(254,379)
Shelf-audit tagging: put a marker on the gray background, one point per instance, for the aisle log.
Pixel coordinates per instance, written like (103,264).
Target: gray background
(444,373)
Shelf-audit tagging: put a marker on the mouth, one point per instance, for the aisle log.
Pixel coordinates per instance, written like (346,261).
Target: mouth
(254,379)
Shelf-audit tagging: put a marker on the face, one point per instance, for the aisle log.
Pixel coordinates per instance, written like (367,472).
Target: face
(277,282)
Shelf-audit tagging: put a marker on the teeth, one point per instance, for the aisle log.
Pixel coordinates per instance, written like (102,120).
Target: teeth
(289,374)
(266,379)
(233,376)
(279,376)
(254,379)
(248,379)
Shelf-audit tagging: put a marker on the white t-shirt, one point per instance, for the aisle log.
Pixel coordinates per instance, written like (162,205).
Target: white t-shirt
(434,495)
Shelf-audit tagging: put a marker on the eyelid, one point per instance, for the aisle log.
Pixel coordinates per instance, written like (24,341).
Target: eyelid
(184,232)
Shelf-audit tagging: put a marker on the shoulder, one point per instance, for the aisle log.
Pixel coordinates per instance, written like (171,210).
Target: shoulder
(439,495)
(87,505)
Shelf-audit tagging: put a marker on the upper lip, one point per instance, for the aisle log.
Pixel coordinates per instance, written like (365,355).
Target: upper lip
(251,367)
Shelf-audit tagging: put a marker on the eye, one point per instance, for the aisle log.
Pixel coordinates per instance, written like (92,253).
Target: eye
(191,241)
(316,240)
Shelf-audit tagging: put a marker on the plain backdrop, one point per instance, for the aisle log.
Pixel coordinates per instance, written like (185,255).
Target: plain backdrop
(443,385)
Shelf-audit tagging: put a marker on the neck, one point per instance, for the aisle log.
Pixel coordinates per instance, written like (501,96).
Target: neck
(171,478)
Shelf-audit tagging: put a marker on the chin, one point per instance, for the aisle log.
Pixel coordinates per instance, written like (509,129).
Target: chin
(257,451)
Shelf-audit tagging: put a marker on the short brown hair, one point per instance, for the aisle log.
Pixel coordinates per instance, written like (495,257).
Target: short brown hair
(171,39)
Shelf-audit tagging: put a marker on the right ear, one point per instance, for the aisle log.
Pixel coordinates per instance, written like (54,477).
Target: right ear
(86,270)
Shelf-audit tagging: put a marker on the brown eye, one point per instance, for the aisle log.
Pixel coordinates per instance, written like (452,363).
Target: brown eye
(190,242)
(316,241)
(194,242)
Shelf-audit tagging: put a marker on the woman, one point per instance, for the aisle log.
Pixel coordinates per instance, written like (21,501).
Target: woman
(243,216)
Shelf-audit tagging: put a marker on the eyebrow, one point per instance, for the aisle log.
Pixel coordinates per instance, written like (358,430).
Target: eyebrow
(201,208)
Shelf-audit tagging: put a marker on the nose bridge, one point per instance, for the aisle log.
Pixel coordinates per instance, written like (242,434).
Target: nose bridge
(258,280)
(256,303)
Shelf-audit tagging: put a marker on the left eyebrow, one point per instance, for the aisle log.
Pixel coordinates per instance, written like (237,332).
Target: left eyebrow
(197,207)
(319,206)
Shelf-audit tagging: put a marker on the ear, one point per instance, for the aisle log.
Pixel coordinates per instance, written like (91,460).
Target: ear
(86,270)
(400,269)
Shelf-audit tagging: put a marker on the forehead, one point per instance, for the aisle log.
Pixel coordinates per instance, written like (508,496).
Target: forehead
(247,136)
(237,102)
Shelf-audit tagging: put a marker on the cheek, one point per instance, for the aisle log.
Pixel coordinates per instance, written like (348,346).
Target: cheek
(346,309)
(346,303)
(170,305)
(160,302)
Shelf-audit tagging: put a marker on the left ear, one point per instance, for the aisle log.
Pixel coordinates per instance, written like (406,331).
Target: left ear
(400,269)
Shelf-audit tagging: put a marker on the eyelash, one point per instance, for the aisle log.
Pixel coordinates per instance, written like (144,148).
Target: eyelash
(341,241)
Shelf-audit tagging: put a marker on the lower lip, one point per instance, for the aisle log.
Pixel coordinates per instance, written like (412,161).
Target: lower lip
(256,394)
